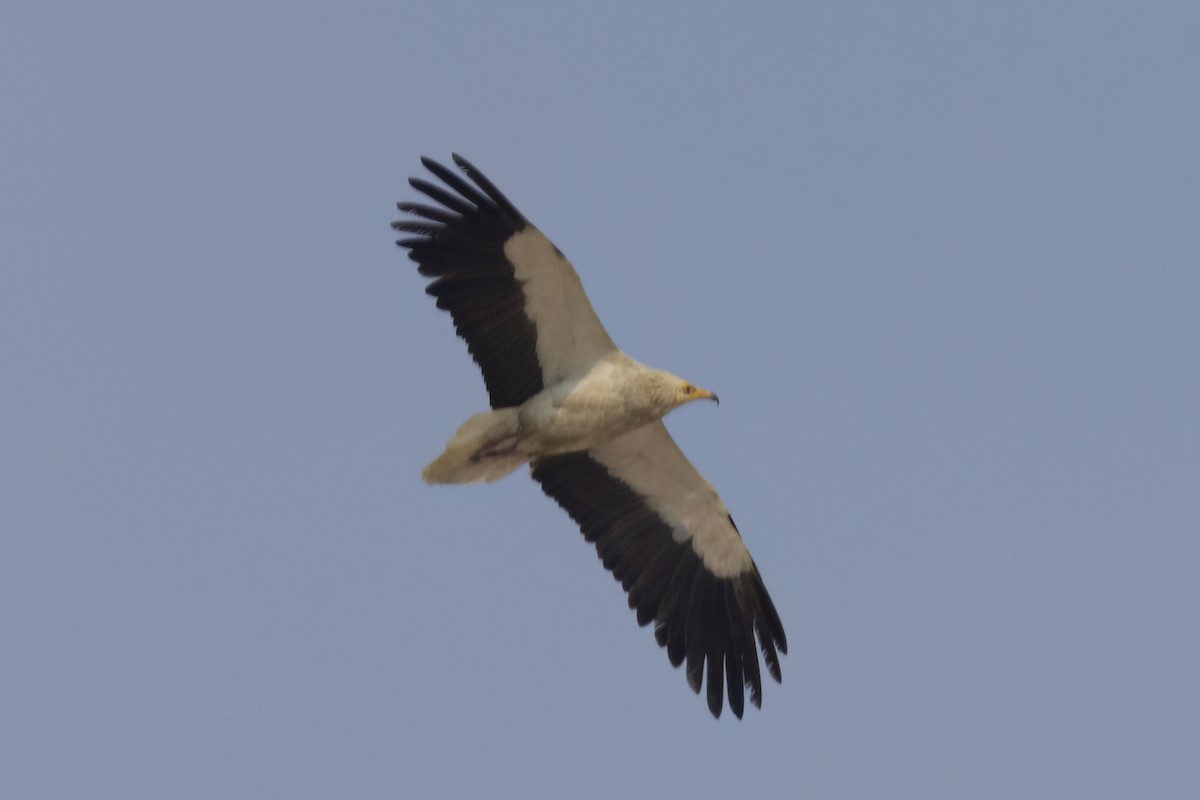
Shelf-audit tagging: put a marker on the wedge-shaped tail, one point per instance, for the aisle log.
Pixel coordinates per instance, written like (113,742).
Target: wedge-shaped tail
(483,449)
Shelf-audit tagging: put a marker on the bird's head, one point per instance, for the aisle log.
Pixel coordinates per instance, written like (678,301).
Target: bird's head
(660,391)
(686,392)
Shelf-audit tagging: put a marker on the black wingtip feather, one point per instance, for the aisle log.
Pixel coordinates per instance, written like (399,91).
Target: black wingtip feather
(716,681)
(428,212)
(698,626)
(733,679)
(435,192)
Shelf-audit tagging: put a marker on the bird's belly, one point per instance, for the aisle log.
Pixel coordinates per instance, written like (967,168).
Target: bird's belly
(550,428)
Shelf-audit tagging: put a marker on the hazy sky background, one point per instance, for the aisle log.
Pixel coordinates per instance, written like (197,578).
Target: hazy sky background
(940,260)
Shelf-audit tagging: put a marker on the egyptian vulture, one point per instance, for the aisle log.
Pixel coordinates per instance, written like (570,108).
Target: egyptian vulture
(588,420)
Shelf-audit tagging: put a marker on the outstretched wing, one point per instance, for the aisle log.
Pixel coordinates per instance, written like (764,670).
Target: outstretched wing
(514,297)
(667,537)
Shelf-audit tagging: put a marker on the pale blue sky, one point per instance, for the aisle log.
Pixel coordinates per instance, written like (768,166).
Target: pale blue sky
(940,260)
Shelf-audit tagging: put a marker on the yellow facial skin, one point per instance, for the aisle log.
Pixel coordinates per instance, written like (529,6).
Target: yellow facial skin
(688,392)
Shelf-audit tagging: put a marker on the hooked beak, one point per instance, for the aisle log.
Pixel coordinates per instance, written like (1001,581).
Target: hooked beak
(707,395)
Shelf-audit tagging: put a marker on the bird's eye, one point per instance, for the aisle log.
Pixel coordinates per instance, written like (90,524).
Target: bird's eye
(688,388)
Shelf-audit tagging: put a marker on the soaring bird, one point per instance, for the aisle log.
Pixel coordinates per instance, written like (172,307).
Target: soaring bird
(588,420)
